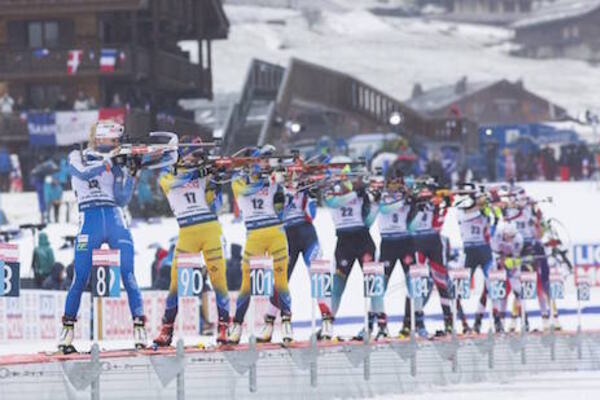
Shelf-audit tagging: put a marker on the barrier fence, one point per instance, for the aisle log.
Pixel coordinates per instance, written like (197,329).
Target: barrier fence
(306,370)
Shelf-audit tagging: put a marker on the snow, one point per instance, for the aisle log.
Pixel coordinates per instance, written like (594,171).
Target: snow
(548,386)
(393,54)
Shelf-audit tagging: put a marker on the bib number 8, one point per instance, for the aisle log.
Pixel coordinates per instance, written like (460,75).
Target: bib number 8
(373,285)
(105,282)
(9,279)
(261,282)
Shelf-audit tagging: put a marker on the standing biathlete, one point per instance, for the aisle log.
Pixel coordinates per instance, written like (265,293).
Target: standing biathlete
(260,198)
(475,216)
(507,244)
(352,216)
(426,220)
(299,212)
(195,200)
(101,188)
(396,245)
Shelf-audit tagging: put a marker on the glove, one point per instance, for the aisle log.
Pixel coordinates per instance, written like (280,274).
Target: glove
(512,262)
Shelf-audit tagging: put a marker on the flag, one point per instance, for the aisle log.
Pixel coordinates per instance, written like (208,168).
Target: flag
(41,53)
(108,60)
(73,61)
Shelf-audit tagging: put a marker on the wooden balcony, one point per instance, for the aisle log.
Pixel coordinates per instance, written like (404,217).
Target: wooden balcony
(42,7)
(173,72)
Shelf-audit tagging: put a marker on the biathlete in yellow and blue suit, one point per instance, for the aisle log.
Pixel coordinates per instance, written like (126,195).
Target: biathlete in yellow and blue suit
(195,199)
(260,197)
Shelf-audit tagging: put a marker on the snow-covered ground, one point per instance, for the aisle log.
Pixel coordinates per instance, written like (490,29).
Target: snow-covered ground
(554,386)
(391,53)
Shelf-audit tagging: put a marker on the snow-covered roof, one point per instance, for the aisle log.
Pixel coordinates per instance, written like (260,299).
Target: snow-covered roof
(559,10)
(443,96)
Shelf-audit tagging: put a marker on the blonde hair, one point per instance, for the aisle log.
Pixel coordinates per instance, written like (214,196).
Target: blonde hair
(92,137)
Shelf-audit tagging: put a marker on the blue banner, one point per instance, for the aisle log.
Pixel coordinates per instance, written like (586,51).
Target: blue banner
(42,128)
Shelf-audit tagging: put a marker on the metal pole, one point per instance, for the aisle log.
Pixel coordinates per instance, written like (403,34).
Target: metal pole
(95,359)
(454,310)
(252,373)
(523,329)
(313,364)
(252,348)
(366,339)
(180,375)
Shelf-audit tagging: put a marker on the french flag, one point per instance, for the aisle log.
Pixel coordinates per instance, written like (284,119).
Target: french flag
(108,60)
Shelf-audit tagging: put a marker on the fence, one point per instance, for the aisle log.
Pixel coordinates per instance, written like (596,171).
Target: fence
(308,370)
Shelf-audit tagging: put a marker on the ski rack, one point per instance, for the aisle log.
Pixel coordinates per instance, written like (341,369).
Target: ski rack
(305,370)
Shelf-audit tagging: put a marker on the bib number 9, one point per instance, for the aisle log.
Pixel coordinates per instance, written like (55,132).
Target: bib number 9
(189,282)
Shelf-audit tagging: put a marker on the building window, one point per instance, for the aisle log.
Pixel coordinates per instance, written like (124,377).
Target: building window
(43,96)
(42,34)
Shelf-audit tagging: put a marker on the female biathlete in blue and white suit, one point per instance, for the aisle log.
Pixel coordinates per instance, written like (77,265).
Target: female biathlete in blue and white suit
(101,189)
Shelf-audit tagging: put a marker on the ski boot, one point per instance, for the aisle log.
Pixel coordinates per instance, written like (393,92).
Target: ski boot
(67,334)
(235,333)
(360,336)
(287,335)
(382,331)
(140,337)
(266,333)
(404,332)
(466,329)
(545,323)
(477,323)
(512,326)
(498,326)
(165,337)
(420,325)
(222,332)
(326,331)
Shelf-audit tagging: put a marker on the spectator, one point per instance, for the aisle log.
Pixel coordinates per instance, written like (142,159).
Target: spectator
(63,172)
(57,278)
(43,259)
(83,102)
(62,104)
(53,196)
(5,169)
(20,104)
(6,103)
(36,179)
